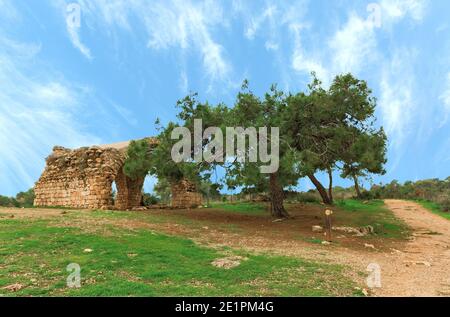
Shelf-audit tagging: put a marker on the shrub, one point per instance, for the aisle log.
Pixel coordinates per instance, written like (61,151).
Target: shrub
(367,195)
(307,198)
(26,199)
(445,205)
(149,199)
(8,202)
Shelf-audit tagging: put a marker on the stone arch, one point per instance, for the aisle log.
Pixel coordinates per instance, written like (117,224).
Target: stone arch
(129,191)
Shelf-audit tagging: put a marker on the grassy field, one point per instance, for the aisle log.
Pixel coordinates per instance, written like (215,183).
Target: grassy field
(374,213)
(154,254)
(123,262)
(243,208)
(435,208)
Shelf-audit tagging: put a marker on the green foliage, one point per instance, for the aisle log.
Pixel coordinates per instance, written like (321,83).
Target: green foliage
(138,162)
(321,130)
(433,190)
(189,110)
(305,198)
(163,191)
(209,190)
(268,111)
(334,128)
(26,199)
(8,202)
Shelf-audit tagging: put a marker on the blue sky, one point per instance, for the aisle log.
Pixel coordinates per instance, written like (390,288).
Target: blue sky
(129,61)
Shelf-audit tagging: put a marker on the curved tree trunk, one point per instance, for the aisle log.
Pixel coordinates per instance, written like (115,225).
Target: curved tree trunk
(321,189)
(358,191)
(330,185)
(277,197)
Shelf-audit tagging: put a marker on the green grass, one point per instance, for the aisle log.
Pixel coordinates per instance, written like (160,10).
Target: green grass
(142,263)
(434,207)
(374,213)
(244,208)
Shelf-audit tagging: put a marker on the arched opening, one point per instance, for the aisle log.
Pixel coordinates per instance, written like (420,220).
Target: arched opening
(129,192)
(149,198)
(113,193)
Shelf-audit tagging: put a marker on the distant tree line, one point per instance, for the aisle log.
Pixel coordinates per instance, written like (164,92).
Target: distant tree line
(22,199)
(434,190)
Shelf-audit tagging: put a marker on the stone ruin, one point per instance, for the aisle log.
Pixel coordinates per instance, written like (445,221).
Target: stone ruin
(184,194)
(83,178)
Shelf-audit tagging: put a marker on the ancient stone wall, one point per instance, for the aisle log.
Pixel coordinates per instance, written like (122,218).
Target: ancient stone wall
(185,194)
(83,178)
(79,178)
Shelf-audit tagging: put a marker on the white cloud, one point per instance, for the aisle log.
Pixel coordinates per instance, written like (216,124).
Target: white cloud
(72,14)
(393,10)
(271,46)
(74,34)
(255,22)
(353,47)
(397,103)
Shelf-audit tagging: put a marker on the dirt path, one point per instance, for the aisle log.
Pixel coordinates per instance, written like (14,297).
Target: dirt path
(421,268)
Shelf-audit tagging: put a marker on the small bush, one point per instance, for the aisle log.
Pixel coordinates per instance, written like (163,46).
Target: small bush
(307,198)
(149,199)
(367,195)
(445,205)
(8,202)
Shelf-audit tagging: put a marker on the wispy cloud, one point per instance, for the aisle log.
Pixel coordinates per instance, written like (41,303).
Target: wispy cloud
(353,45)
(183,25)
(125,114)
(74,34)
(255,22)
(37,111)
(396,101)
(72,14)
(304,62)
(394,10)
(445,99)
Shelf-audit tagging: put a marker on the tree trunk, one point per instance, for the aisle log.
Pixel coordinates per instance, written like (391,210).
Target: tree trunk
(277,197)
(358,191)
(330,185)
(320,188)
